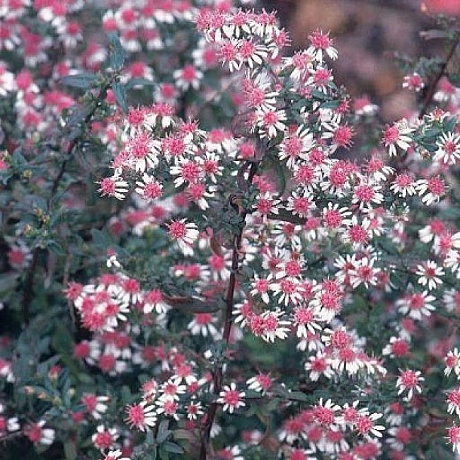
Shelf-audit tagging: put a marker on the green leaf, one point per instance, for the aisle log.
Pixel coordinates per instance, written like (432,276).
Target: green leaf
(116,52)
(183,434)
(55,248)
(137,82)
(77,116)
(163,432)
(82,80)
(8,281)
(120,95)
(298,396)
(126,395)
(70,450)
(330,105)
(164,455)
(172,447)
(100,239)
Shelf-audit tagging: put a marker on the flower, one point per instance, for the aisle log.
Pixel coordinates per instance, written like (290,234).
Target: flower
(188,77)
(364,424)
(318,365)
(141,416)
(184,233)
(260,383)
(452,361)
(416,305)
(202,324)
(448,149)
(409,381)
(429,274)
(320,42)
(453,401)
(95,405)
(270,122)
(403,185)
(453,437)
(39,435)
(114,186)
(307,321)
(430,190)
(397,136)
(194,409)
(104,439)
(413,82)
(231,398)
(397,348)
(149,188)
(114,455)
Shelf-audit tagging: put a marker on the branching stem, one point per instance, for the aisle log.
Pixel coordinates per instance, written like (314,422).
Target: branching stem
(229,301)
(30,276)
(442,71)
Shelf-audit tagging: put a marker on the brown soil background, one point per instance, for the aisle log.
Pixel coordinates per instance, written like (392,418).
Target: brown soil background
(367,34)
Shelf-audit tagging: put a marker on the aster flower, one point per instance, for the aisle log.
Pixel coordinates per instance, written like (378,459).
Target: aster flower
(409,381)
(114,455)
(270,122)
(37,434)
(365,425)
(188,77)
(429,274)
(452,361)
(114,186)
(194,410)
(273,326)
(453,437)
(321,43)
(231,398)
(398,136)
(416,305)
(260,383)
(430,190)
(149,188)
(413,82)
(184,233)
(141,416)
(448,151)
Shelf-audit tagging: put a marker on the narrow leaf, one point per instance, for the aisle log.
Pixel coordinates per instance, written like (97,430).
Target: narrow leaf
(82,80)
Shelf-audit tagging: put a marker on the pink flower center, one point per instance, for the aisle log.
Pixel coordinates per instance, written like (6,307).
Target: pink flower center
(136,415)
(177,230)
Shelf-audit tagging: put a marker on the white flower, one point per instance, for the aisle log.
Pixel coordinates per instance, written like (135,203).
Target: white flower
(448,152)
(409,381)
(114,455)
(231,398)
(270,122)
(149,188)
(185,234)
(114,186)
(398,135)
(429,274)
(452,361)
(273,327)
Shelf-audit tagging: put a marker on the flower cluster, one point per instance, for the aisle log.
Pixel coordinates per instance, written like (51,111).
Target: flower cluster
(251,265)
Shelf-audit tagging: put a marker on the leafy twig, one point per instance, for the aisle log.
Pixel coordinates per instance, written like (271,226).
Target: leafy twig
(29,282)
(229,301)
(432,88)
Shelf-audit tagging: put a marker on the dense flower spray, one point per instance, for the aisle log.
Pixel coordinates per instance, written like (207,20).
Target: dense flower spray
(263,296)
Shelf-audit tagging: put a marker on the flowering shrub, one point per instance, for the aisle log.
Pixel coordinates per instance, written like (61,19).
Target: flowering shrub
(193,266)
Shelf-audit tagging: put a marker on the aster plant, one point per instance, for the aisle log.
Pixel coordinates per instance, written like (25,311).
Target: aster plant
(193,266)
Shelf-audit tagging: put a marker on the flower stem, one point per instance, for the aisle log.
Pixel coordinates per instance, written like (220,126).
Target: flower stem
(218,375)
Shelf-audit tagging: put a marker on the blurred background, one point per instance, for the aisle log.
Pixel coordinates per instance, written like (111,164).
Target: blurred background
(367,34)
